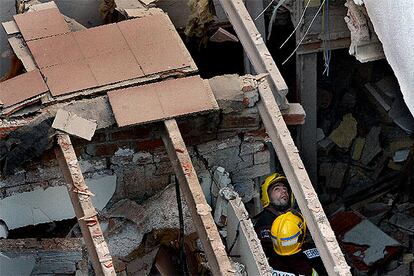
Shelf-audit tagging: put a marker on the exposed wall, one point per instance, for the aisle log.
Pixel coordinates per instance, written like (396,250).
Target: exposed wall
(232,138)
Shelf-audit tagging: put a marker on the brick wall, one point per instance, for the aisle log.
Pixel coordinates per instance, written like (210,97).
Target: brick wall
(232,138)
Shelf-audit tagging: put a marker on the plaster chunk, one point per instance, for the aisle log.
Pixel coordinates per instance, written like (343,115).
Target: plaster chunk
(345,133)
(52,204)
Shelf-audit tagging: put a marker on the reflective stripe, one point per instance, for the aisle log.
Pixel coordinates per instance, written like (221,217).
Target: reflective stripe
(281,273)
(314,273)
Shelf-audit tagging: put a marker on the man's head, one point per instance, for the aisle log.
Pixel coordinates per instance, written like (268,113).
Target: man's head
(275,191)
(279,195)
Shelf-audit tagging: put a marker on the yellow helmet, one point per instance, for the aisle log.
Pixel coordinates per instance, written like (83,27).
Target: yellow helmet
(274,178)
(288,233)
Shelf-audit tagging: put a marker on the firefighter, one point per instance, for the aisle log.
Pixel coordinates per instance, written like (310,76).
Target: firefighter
(289,257)
(276,199)
(278,203)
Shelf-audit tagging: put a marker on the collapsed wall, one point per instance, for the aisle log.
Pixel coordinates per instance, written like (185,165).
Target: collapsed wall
(130,166)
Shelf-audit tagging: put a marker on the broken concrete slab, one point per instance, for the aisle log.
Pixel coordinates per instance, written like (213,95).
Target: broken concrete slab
(158,212)
(42,257)
(74,125)
(52,204)
(372,146)
(363,242)
(345,133)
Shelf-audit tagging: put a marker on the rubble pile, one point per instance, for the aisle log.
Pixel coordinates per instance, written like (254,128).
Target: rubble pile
(365,171)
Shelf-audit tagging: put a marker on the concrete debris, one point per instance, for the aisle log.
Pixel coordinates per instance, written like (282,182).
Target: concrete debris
(221,35)
(57,256)
(74,125)
(372,146)
(143,265)
(358,147)
(345,133)
(363,242)
(4,230)
(158,212)
(403,221)
(365,45)
(52,204)
(19,265)
(320,135)
(401,155)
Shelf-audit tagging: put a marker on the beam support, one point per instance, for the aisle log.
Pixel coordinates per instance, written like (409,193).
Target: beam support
(196,202)
(86,214)
(300,184)
(255,48)
(306,77)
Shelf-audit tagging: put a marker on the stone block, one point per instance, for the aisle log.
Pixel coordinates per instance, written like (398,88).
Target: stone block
(261,157)
(122,156)
(216,145)
(142,157)
(251,172)
(251,147)
(164,168)
(227,91)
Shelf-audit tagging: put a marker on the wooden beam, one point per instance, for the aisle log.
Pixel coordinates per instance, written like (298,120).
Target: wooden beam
(86,214)
(241,233)
(255,48)
(300,183)
(200,210)
(315,47)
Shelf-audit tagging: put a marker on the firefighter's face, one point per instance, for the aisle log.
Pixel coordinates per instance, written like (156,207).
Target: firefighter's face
(279,194)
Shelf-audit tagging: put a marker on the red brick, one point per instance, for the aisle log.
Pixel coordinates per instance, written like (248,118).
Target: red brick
(149,145)
(138,133)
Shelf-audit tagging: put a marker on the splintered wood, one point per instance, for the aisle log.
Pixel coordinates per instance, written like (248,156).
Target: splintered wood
(82,203)
(196,202)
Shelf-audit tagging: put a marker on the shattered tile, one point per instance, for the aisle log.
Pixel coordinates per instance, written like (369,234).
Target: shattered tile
(161,56)
(74,125)
(69,77)
(40,24)
(155,43)
(22,87)
(55,50)
(100,40)
(161,100)
(184,96)
(125,102)
(115,67)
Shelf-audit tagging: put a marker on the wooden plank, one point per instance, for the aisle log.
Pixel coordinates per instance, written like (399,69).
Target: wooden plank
(255,48)
(315,47)
(82,204)
(200,210)
(246,245)
(300,183)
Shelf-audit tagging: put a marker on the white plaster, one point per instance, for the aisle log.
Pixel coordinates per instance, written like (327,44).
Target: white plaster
(22,265)
(53,203)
